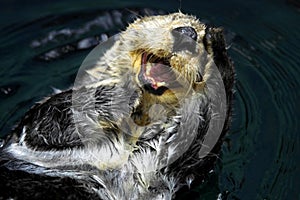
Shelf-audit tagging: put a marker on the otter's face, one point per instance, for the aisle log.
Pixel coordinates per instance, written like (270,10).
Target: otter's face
(166,53)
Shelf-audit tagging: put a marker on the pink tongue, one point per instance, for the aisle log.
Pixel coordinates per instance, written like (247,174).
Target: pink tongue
(161,73)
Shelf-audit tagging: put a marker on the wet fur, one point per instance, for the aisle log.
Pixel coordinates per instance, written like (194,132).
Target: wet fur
(101,160)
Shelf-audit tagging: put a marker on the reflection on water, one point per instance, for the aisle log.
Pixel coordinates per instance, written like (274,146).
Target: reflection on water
(260,155)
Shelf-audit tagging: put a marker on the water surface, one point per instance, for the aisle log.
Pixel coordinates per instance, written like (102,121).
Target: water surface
(260,156)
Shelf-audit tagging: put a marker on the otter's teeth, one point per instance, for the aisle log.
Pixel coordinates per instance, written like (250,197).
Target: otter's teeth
(156,85)
(148,69)
(159,84)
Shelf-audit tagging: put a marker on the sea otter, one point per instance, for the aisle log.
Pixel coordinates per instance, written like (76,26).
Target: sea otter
(144,120)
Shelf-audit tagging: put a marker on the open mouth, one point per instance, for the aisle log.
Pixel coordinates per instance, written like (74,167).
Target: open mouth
(156,74)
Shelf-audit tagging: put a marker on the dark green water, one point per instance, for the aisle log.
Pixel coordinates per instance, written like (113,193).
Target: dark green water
(261,156)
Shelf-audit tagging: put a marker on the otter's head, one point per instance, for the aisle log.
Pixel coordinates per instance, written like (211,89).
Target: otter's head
(166,52)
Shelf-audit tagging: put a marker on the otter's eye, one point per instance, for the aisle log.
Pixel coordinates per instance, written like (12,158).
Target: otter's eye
(187,31)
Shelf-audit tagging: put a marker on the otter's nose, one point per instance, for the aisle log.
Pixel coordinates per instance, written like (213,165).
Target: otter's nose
(184,39)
